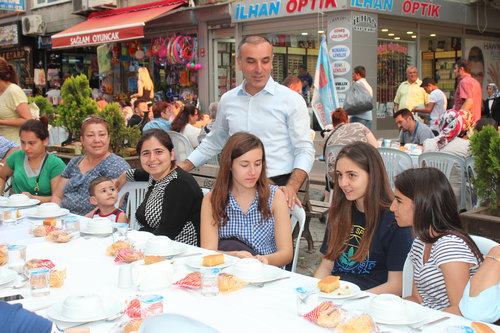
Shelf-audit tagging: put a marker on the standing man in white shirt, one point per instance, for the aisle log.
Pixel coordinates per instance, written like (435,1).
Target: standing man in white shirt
(358,76)
(269,110)
(436,106)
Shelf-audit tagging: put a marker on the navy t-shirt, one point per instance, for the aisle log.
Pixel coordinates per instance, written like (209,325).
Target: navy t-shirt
(15,319)
(389,248)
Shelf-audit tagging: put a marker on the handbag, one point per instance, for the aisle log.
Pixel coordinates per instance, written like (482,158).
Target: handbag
(357,100)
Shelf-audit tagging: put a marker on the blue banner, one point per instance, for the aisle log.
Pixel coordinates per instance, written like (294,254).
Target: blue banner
(17,5)
(324,99)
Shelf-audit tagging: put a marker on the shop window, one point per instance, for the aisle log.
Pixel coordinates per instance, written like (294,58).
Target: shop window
(41,3)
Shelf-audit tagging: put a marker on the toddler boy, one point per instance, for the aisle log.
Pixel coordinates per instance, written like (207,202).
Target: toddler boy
(103,194)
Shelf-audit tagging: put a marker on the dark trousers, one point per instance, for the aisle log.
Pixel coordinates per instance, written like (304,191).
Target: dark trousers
(281,180)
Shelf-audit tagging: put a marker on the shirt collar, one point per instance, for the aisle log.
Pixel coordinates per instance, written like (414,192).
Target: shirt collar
(234,205)
(461,77)
(269,88)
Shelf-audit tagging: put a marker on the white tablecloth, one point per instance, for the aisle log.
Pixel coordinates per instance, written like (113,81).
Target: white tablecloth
(271,308)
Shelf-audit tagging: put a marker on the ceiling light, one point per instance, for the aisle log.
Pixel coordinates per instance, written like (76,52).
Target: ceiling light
(397,38)
(409,32)
(305,34)
(432,35)
(321,31)
(384,30)
(390,34)
(413,36)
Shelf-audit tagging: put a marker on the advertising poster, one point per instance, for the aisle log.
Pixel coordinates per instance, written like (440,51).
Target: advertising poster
(485,61)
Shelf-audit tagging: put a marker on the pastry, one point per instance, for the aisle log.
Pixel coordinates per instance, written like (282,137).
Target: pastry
(50,221)
(148,260)
(57,278)
(213,260)
(481,328)
(128,255)
(329,284)
(4,256)
(18,214)
(229,283)
(111,250)
(361,324)
(59,236)
(133,326)
(329,318)
(35,263)
(43,230)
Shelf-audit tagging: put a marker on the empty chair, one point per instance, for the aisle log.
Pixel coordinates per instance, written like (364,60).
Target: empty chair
(395,161)
(298,215)
(407,278)
(137,192)
(181,145)
(483,244)
(454,169)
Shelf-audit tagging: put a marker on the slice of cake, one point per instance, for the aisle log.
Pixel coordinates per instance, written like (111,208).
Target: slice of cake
(213,260)
(329,284)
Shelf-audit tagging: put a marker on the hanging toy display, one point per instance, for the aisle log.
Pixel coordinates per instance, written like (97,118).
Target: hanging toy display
(192,65)
(124,55)
(115,53)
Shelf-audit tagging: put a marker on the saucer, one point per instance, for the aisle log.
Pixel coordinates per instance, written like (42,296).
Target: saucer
(34,214)
(270,273)
(7,275)
(84,231)
(173,251)
(196,263)
(29,203)
(343,284)
(111,308)
(414,314)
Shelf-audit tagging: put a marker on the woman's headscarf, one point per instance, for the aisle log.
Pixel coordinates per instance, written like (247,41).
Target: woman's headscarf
(496,92)
(453,123)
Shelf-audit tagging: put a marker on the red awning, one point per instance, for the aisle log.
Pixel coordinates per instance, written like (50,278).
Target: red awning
(113,25)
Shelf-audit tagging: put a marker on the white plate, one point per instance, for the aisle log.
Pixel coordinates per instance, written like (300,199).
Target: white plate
(84,231)
(354,291)
(270,273)
(34,214)
(196,263)
(414,314)
(30,202)
(173,251)
(7,275)
(111,308)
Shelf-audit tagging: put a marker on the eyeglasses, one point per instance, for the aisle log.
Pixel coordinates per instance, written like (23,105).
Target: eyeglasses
(94,117)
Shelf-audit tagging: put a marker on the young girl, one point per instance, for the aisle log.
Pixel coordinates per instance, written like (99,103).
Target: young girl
(363,244)
(244,215)
(443,255)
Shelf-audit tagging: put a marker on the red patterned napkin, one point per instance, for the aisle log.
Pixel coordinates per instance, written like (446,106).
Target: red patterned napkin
(326,314)
(192,280)
(134,309)
(128,255)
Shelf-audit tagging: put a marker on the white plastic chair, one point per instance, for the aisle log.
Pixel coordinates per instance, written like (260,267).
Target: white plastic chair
(395,161)
(484,244)
(298,215)
(333,149)
(181,145)
(470,175)
(446,163)
(137,192)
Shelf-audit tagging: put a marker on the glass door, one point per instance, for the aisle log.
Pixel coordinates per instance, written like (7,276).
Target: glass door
(224,65)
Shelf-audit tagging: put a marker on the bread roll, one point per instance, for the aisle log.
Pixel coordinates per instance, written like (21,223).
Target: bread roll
(481,328)
(50,222)
(111,250)
(133,326)
(329,284)
(329,318)
(213,260)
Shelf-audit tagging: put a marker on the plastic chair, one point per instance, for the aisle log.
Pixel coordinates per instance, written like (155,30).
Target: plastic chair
(181,145)
(298,215)
(137,192)
(333,149)
(171,322)
(470,175)
(407,278)
(395,161)
(484,244)
(446,163)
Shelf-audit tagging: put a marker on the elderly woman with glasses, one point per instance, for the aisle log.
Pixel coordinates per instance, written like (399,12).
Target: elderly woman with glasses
(72,192)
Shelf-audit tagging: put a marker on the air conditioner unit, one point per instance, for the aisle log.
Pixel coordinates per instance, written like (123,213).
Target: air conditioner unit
(33,25)
(80,6)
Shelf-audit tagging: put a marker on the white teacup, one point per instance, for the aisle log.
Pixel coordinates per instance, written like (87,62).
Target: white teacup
(47,208)
(158,245)
(388,307)
(17,199)
(100,225)
(82,306)
(249,269)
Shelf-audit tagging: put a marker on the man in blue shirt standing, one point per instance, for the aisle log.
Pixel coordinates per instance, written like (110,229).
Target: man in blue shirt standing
(306,79)
(269,110)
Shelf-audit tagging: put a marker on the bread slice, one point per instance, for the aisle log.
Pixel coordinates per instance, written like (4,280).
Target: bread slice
(329,284)
(50,222)
(481,328)
(213,260)
(148,260)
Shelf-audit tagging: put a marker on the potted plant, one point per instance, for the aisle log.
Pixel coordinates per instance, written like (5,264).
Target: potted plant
(45,107)
(485,147)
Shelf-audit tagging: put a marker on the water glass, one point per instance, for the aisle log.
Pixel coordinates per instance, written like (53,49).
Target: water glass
(39,281)
(120,232)
(71,224)
(307,299)
(9,216)
(17,257)
(210,281)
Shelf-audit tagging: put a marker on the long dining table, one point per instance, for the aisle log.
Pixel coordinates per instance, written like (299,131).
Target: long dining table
(271,308)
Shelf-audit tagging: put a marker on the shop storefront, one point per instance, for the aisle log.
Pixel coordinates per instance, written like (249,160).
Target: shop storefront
(384,36)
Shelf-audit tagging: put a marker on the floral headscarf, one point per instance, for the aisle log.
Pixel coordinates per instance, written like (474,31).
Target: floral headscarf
(453,123)
(496,92)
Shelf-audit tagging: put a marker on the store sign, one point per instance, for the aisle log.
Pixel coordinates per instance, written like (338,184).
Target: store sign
(339,34)
(364,23)
(255,10)
(339,52)
(97,37)
(392,47)
(341,67)
(16,5)
(342,85)
(9,35)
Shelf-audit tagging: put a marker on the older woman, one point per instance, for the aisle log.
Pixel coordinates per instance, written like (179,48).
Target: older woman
(173,201)
(14,110)
(72,192)
(34,172)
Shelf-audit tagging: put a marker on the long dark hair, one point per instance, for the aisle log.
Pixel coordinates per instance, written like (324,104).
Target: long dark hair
(8,72)
(377,198)
(182,118)
(238,144)
(435,212)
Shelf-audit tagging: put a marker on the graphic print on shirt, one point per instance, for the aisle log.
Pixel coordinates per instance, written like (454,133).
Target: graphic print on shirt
(345,264)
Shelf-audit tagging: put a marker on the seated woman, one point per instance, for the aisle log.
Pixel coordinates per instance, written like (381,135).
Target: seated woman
(362,243)
(244,210)
(443,255)
(481,300)
(172,203)
(34,172)
(72,192)
(183,123)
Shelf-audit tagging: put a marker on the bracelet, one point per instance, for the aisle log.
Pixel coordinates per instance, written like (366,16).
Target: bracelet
(492,257)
